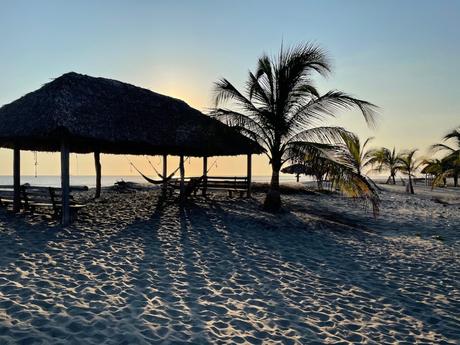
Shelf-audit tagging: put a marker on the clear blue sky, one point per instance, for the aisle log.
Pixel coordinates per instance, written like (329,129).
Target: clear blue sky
(401,55)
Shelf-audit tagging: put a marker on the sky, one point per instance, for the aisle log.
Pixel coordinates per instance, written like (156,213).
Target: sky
(400,55)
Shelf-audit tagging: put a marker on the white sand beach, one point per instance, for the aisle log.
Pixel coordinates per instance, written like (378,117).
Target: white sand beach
(223,271)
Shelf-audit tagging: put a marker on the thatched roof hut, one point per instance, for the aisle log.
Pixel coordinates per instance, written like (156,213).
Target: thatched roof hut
(98,114)
(298,169)
(82,114)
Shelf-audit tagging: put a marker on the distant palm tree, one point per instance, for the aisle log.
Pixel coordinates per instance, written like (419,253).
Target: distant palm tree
(282,110)
(342,165)
(439,168)
(352,153)
(453,154)
(385,159)
(408,164)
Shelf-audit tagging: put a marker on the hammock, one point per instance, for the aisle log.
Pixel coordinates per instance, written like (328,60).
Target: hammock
(148,179)
(152,181)
(168,178)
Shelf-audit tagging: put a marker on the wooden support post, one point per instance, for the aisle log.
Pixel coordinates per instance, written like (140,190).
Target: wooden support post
(97,163)
(17,179)
(205,175)
(249,176)
(182,178)
(65,183)
(165,174)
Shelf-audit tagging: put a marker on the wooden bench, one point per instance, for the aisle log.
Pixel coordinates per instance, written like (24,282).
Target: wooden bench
(216,183)
(230,184)
(33,197)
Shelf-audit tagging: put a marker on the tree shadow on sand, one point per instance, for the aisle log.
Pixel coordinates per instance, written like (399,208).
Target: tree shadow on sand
(343,256)
(19,234)
(235,268)
(222,270)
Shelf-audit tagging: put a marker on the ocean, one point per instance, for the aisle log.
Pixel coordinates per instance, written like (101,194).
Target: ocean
(90,181)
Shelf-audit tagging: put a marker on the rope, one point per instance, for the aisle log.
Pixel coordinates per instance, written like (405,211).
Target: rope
(76,161)
(212,165)
(36,163)
(156,171)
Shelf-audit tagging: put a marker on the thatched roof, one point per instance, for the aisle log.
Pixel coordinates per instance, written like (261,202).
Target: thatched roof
(114,117)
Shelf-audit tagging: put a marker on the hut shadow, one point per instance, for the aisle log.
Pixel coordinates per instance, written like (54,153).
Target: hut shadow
(158,287)
(24,235)
(220,262)
(230,262)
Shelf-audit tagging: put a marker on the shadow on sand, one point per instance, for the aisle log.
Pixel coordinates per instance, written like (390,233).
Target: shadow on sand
(221,270)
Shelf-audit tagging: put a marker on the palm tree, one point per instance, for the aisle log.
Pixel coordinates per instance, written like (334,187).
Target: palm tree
(314,164)
(282,110)
(453,154)
(385,159)
(408,164)
(342,164)
(439,168)
(352,153)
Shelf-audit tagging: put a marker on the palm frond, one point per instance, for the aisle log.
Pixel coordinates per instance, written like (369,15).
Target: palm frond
(454,134)
(328,105)
(225,91)
(355,185)
(245,124)
(441,147)
(324,134)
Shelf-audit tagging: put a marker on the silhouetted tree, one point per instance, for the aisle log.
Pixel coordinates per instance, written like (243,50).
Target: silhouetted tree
(282,110)
(408,164)
(439,168)
(385,159)
(354,154)
(453,154)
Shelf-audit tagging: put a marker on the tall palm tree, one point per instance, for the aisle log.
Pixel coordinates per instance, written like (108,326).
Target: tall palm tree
(408,164)
(282,110)
(453,154)
(385,159)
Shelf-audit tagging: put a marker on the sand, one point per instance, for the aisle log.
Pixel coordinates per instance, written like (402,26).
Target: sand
(223,271)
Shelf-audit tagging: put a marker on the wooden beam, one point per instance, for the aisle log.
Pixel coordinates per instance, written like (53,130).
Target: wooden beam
(165,173)
(65,183)
(205,175)
(17,179)
(249,175)
(182,177)
(97,163)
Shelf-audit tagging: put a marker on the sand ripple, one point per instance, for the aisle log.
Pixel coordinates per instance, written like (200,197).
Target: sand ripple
(221,271)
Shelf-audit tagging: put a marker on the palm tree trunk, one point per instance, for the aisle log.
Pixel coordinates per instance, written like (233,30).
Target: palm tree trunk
(456,178)
(394,180)
(411,187)
(272,201)
(319,182)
